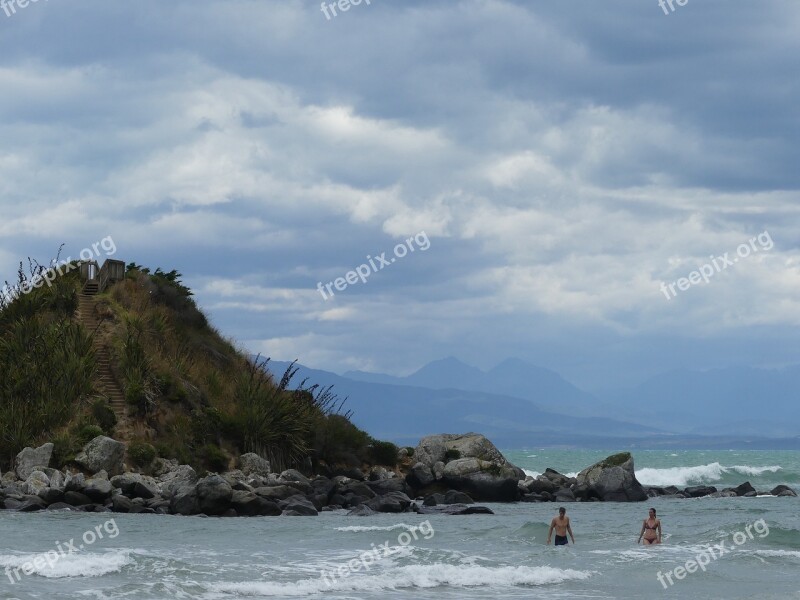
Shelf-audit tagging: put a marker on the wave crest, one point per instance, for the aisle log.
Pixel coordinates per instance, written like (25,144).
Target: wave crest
(697,475)
(414,576)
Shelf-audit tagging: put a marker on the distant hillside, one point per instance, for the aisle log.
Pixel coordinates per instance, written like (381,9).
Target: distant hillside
(403,413)
(140,362)
(513,377)
(740,401)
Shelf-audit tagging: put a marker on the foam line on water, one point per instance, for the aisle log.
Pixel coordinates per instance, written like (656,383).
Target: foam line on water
(72,565)
(412,576)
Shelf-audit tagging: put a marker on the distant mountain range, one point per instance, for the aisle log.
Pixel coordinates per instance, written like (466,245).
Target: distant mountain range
(520,404)
(404,413)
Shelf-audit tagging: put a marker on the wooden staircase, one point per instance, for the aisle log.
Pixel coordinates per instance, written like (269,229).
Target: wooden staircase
(106,384)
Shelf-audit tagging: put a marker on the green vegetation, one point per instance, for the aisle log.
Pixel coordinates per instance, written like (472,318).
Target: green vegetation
(451,454)
(617,459)
(141,454)
(188,391)
(46,362)
(383,453)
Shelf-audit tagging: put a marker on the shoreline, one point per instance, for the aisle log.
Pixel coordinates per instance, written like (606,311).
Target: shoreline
(445,474)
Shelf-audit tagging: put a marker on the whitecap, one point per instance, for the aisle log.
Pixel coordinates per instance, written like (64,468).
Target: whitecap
(781,553)
(745,470)
(360,528)
(681,475)
(71,565)
(412,576)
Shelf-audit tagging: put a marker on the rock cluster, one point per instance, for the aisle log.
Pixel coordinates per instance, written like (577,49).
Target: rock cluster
(252,490)
(746,490)
(445,475)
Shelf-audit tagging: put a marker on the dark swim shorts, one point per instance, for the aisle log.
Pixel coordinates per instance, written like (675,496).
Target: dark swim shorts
(561,540)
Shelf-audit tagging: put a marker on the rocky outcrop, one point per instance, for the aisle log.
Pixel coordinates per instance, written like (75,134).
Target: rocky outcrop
(469,463)
(253,464)
(611,479)
(29,459)
(102,454)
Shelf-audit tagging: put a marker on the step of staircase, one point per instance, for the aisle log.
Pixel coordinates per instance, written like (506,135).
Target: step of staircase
(105,382)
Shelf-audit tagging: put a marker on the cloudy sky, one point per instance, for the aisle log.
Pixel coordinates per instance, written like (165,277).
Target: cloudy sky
(563,159)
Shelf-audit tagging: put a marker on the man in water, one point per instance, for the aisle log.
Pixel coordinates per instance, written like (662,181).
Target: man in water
(561,525)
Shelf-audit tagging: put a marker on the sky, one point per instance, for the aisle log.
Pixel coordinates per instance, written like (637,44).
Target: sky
(556,161)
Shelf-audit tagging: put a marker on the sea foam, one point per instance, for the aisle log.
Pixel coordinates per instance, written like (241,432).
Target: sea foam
(412,576)
(697,475)
(71,565)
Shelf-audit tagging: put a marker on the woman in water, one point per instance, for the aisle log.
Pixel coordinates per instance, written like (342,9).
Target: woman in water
(651,529)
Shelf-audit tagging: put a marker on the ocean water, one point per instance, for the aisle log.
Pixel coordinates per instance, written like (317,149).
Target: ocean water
(475,556)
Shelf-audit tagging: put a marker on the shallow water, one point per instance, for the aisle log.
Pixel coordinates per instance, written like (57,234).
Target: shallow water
(476,556)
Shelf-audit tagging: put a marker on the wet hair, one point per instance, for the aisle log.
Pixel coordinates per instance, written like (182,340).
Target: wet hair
(654,510)
(562,510)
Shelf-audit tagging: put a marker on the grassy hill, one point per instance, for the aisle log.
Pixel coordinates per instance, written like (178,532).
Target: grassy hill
(189,393)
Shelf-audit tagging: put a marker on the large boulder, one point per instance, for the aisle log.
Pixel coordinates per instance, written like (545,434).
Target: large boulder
(214,495)
(784,491)
(420,476)
(177,477)
(135,485)
(248,504)
(293,476)
(472,464)
(30,458)
(36,483)
(183,500)
(389,485)
(436,448)
(612,479)
(276,492)
(483,480)
(102,454)
(252,464)
(698,491)
(97,489)
(393,502)
(744,488)
(299,505)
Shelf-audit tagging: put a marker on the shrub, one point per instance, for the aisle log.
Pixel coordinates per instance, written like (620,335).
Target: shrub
(338,441)
(410,450)
(64,450)
(215,457)
(178,452)
(86,433)
(383,453)
(104,415)
(141,453)
(452,454)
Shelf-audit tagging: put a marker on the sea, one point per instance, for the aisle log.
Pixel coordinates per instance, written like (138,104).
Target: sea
(713,548)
